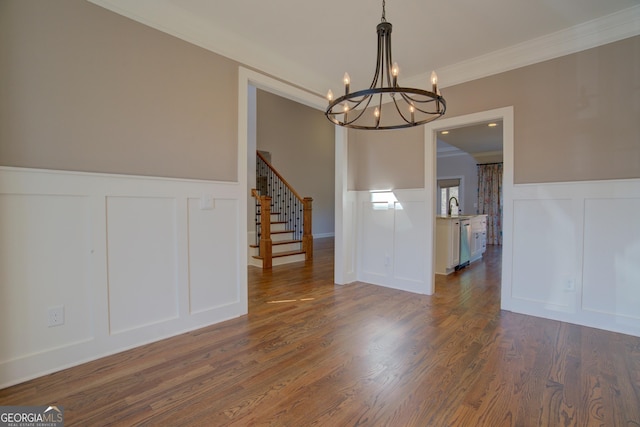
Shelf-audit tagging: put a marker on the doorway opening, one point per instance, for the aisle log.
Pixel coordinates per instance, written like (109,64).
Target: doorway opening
(249,82)
(463,124)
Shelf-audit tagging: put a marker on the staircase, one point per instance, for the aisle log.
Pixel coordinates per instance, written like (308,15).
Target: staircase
(286,236)
(284,247)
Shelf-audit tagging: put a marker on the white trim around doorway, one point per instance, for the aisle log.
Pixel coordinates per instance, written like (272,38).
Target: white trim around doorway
(431,129)
(248,80)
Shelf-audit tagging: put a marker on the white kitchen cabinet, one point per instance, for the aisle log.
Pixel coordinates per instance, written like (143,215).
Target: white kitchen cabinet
(478,237)
(447,245)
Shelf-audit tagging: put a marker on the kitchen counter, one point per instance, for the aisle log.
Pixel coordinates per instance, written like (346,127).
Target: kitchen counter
(457,216)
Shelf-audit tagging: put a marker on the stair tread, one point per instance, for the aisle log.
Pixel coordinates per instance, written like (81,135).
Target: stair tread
(281,254)
(273,222)
(282,242)
(282,231)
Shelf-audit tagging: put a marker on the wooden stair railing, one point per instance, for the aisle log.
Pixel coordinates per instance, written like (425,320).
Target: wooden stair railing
(276,192)
(265,236)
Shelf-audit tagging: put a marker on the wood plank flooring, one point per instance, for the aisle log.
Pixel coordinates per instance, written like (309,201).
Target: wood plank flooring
(313,354)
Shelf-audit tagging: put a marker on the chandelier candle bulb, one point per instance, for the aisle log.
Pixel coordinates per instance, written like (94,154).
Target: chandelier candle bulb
(395,70)
(330,95)
(434,88)
(434,82)
(413,111)
(347,80)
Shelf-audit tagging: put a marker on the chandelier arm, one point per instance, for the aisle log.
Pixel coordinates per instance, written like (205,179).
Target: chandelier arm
(431,113)
(439,100)
(414,102)
(355,102)
(379,54)
(352,98)
(395,102)
(427,96)
(366,95)
(388,56)
(362,111)
(348,122)
(391,127)
(397,89)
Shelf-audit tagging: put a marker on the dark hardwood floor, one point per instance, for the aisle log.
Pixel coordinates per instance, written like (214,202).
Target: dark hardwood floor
(311,353)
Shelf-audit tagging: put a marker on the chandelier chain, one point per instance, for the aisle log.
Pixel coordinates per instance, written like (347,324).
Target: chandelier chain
(384,17)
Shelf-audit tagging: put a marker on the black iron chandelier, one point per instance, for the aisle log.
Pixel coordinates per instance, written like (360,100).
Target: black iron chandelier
(410,107)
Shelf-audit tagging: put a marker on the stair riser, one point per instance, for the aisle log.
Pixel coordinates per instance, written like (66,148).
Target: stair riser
(286,248)
(288,259)
(280,260)
(275,217)
(281,236)
(278,227)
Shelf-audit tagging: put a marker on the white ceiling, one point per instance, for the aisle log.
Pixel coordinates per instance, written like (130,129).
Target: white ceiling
(478,140)
(312,43)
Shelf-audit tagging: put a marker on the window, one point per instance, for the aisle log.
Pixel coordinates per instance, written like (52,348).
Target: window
(447,188)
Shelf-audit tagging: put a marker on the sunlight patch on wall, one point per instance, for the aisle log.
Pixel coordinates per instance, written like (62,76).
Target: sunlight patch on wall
(384,199)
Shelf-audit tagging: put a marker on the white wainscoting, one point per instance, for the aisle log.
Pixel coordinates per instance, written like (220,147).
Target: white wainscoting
(575,250)
(576,253)
(392,239)
(132,260)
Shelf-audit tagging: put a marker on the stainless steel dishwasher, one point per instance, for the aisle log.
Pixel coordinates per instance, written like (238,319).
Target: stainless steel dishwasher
(465,243)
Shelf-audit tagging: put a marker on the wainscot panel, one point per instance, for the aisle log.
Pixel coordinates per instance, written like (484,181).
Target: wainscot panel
(142,261)
(612,259)
(45,251)
(392,239)
(213,243)
(125,260)
(576,253)
(544,253)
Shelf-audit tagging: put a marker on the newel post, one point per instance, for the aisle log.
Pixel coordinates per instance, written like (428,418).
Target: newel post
(307,236)
(265,231)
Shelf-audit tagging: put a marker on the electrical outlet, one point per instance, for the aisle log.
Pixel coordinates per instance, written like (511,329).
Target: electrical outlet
(56,315)
(570,286)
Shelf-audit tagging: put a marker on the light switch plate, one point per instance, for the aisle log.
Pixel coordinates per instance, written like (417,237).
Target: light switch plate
(207,202)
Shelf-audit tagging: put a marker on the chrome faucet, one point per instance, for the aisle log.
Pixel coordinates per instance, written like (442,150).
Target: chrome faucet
(457,204)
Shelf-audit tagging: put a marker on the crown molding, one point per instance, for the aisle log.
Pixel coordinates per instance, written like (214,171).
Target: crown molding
(488,157)
(165,16)
(607,29)
(449,151)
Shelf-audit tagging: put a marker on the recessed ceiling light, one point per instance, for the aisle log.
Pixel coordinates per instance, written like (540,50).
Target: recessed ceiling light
(492,125)
(445,132)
